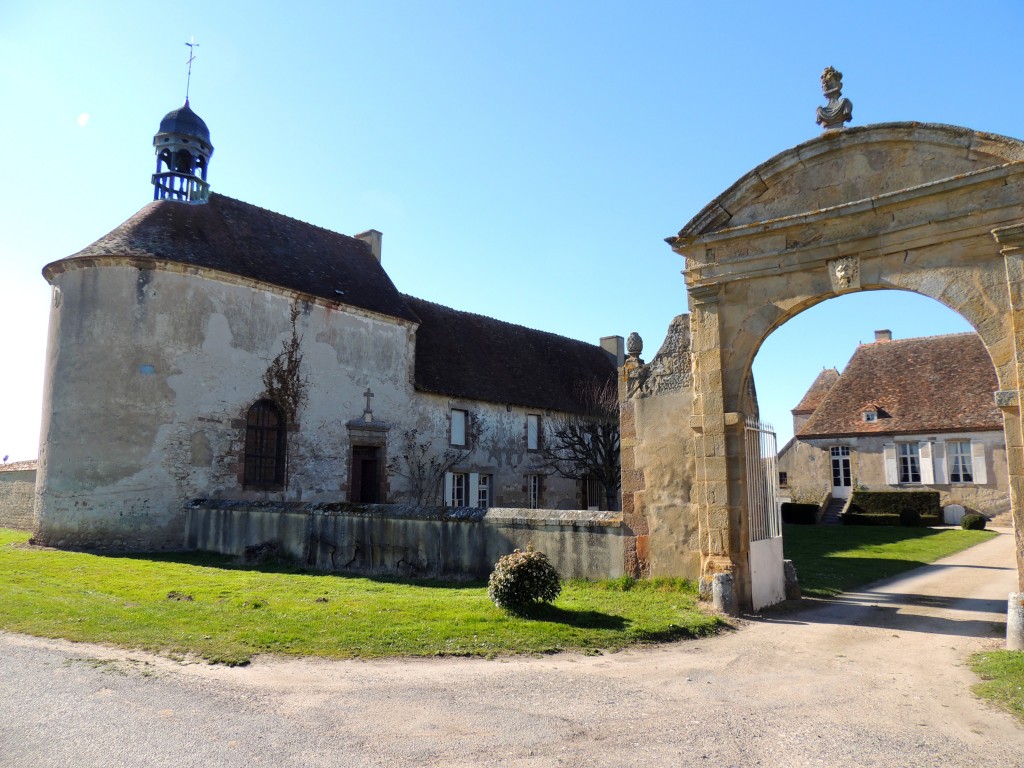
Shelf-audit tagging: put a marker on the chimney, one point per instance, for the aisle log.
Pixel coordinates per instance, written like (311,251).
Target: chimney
(881,336)
(372,238)
(615,346)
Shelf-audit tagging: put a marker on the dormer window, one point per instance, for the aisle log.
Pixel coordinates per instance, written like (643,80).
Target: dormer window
(870,415)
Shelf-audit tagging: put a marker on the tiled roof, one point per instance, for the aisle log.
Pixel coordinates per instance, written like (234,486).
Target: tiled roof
(821,386)
(18,466)
(930,384)
(474,357)
(242,239)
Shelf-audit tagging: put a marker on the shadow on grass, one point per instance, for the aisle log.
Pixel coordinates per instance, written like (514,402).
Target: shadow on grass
(283,566)
(578,619)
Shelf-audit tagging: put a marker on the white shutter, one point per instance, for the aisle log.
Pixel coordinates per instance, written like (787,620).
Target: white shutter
(927,465)
(941,473)
(978,462)
(474,489)
(532,433)
(889,454)
(448,489)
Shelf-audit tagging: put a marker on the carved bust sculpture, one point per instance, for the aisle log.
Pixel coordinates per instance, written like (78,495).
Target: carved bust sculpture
(839,110)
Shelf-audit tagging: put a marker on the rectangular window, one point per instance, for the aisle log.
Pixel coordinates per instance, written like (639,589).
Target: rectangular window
(458,484)
(459,419)
(590,493)
(483,492)
(960,462)
(532,431)
(783,479)
(533,491)
(909,456)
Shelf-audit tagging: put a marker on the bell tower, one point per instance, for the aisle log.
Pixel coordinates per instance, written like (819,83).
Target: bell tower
(183,152)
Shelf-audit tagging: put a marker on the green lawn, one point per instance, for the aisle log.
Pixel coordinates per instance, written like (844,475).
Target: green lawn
(211,607)
(830,559)
(1002,673)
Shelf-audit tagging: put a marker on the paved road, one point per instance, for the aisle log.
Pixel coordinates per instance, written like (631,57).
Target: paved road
(873,679)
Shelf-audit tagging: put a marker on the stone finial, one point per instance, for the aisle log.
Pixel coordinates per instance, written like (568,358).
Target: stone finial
(839,110)
(634,344)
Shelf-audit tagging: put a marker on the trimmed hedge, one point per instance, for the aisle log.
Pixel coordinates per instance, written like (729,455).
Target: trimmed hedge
(800,514)
(908,508)
(973,522)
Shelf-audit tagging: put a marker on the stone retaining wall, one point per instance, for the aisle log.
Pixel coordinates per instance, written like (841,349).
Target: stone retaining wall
(17,494)
(410,541)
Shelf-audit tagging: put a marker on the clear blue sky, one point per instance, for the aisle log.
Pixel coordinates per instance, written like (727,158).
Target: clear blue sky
(524,160)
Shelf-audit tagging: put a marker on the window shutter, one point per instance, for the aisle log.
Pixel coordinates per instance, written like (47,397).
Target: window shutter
(927,463)
(889,453)
(448,489)
(941,473)
(474,489)
(978,462)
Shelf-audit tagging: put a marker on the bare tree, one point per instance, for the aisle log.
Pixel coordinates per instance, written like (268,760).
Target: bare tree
(586,444)
(424,466)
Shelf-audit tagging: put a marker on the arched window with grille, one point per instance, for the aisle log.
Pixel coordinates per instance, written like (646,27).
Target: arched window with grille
(265,445)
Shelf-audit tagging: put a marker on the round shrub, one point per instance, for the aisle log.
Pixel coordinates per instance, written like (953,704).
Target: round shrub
(523,579)
(973,522)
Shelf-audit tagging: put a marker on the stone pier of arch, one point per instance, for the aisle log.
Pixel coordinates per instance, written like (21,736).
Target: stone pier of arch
(933,209)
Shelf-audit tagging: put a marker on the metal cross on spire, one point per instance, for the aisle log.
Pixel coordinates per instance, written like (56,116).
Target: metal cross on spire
(192,45)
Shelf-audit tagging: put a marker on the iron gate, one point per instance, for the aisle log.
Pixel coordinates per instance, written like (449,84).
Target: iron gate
(764,518)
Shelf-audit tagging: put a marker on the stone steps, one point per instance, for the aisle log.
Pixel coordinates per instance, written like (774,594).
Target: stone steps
(831,516)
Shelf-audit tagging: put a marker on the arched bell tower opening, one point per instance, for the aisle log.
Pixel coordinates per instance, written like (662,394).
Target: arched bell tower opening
(933,209)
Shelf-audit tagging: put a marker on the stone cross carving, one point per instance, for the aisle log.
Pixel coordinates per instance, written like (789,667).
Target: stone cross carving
(368,413)
(839,110)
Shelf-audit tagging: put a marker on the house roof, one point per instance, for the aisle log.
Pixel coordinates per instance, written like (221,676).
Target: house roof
(230,236)
(19,466)
(461,354)
(930,384)
(817,391)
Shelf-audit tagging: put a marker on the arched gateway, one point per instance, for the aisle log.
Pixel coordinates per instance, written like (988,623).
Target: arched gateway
(933,209)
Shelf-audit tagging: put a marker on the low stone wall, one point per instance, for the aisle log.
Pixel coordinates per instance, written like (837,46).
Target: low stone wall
(411,541)
(17,495)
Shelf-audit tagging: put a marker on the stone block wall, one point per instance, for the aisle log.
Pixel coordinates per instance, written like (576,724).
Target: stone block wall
(17,495)
(405,540)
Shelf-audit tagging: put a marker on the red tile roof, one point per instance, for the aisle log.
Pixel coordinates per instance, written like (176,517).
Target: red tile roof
(930,384)
(19,466)
(821,386)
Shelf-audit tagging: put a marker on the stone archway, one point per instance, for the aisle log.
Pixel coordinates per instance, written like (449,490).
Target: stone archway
(933,209)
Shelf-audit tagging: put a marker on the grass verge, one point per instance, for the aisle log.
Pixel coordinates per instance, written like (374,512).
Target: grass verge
(832,559)
(214,608)
(1002,674)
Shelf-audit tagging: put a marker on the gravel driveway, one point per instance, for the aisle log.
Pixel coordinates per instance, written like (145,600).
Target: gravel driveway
(875,678)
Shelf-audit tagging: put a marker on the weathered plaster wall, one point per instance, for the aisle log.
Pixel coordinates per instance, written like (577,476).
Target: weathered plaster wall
(149,376)
(411,541)
(17,495)
(150,373)
(808,472)
(500,449)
